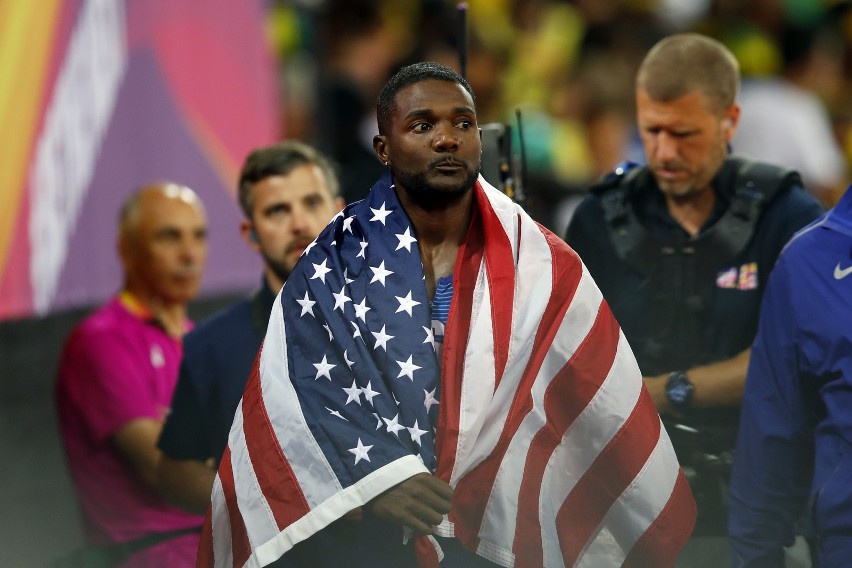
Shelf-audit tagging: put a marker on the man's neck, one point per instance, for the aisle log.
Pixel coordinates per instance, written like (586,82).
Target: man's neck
(440,230)
(172,316)
(692,211)
(272,280)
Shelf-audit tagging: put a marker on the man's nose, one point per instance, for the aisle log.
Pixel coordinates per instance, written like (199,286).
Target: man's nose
(666,147)
(445,140)
(298,221)
(193,249)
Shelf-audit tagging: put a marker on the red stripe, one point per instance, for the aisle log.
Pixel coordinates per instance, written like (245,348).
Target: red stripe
(427,556)
(273,472)
(240,545)
(567,396)
(500,268)
(473,491)
(664,539)
(465,274)
(205,546)
(612,472)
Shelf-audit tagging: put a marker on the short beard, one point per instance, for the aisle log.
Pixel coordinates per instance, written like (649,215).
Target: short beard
(281,271)
(427,195)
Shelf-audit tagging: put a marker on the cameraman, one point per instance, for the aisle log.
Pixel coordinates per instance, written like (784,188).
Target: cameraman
(681,249)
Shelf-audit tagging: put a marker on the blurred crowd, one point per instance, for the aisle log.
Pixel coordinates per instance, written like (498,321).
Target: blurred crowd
(560,73)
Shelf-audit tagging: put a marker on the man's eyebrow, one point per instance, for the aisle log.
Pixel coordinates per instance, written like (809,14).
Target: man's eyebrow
(417,113)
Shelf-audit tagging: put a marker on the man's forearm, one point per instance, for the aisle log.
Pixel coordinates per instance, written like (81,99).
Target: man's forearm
(186,483)
(717,384)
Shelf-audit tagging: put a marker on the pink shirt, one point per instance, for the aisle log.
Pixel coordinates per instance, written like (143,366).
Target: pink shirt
(118,366)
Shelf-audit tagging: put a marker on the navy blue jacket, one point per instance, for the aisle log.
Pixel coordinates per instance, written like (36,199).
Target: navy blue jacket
(795,439)
(217,359)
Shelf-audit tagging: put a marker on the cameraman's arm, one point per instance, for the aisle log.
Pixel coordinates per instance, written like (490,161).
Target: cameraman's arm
(717,384)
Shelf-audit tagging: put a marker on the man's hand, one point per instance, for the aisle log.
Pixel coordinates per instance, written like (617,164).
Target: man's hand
(419,503)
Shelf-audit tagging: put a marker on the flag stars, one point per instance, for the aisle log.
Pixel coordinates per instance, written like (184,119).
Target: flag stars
(321,270)
(407,368)
(415,432)
(405,240)
(369,393)
(363,248)
(324,368)
(382,339)
(353,393)
(307,305)
(335,413)
(340,298)
(346,276)
(406,303)
(393,425)
(328,329)
(361,452)
(379,273)
(380,214)
(347,223)
(429,399)
(346,358)
(430,337)
(361,309)
(357,332)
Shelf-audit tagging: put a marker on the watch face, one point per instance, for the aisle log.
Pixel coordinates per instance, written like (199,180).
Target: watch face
(679,392)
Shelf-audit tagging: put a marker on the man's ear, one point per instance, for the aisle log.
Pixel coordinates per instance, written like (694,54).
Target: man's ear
(249,235)
(380,147)
(730,122)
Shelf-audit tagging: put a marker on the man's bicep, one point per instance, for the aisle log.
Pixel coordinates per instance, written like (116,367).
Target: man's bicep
(136,442)
(110,385)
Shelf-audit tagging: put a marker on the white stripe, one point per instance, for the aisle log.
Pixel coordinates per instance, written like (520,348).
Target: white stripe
(637,508)
(532,287)
(254,509)
(223,553)
(590,433)
(498,524)
(338,505)
(506,211)
(477,383)
(313,473)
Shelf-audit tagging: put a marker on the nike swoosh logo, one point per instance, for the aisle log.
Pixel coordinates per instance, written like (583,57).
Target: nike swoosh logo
(841,273)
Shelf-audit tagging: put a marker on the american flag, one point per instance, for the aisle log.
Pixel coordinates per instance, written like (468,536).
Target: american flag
(536,413)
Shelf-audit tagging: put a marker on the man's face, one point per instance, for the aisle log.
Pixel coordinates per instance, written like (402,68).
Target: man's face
(433,144)
(288,213)
(685,141)
(166,250)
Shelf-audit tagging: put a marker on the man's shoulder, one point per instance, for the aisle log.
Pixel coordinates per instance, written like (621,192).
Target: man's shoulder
(219,325)
(110,321)
(621,179)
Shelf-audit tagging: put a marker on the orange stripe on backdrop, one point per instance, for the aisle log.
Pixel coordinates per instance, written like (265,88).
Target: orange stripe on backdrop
(27,30)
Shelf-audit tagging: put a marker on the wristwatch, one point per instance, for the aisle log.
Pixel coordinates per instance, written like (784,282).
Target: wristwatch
(679,390)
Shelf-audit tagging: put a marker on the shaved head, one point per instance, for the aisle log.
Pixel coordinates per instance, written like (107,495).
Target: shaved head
(162,242)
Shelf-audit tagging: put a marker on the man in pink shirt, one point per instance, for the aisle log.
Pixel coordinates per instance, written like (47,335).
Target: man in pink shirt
(116,377)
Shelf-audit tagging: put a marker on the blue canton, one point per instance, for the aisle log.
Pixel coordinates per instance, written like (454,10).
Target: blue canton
(361,351)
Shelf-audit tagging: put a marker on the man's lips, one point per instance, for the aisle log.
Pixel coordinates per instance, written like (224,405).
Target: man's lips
(448,165)
(666,173)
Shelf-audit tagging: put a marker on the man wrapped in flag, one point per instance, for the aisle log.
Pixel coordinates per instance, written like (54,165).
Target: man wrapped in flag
(444,366)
